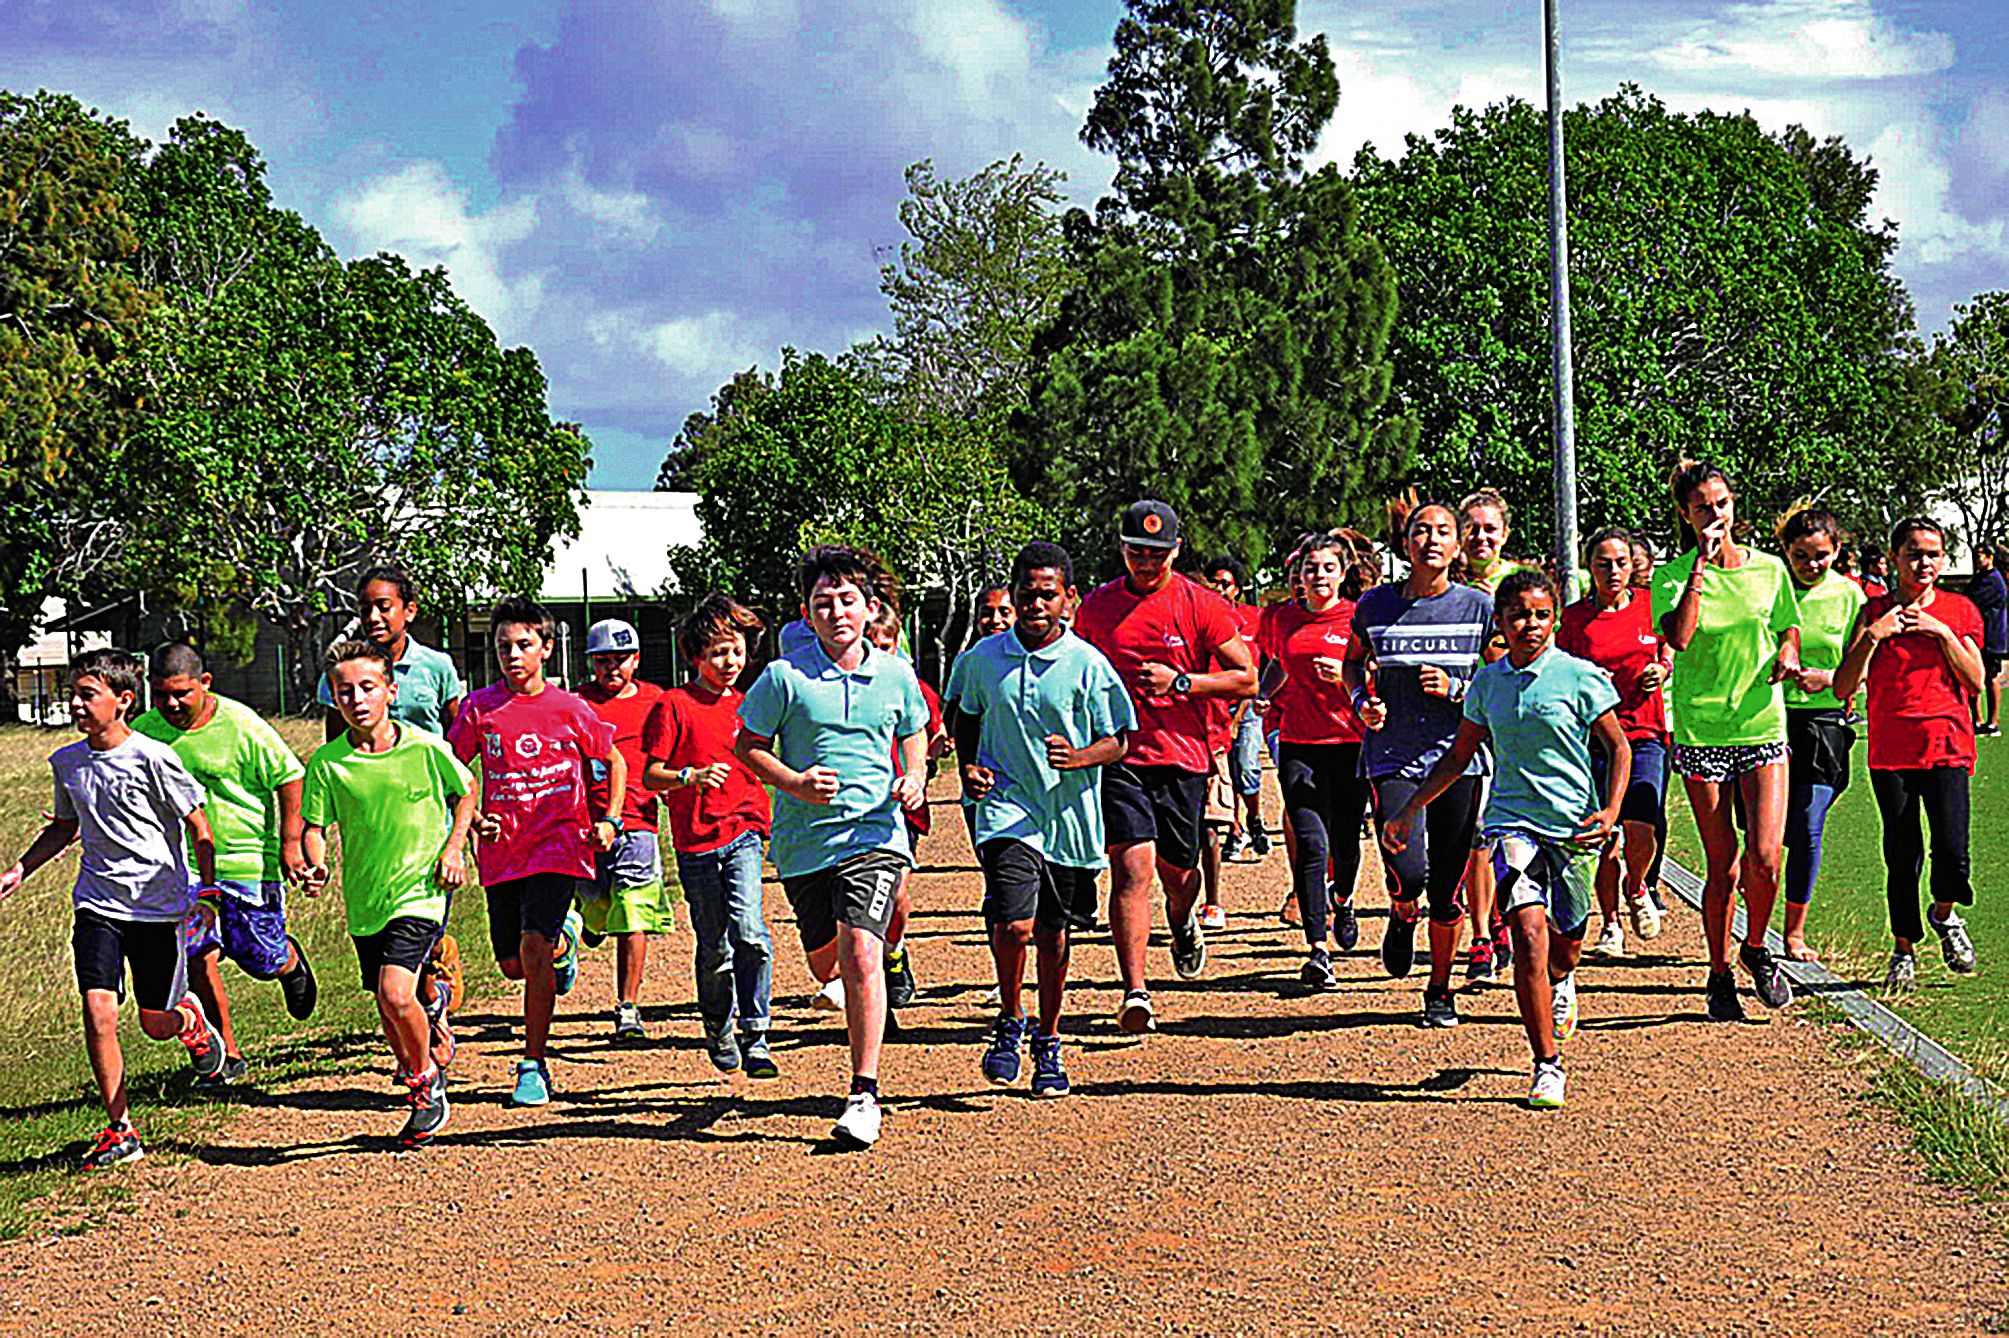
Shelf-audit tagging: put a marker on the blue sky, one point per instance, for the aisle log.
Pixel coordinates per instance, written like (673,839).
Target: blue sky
(655,195)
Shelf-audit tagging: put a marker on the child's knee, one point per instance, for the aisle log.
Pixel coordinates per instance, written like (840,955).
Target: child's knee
(101,1011)
(511,968)
(397,990)
(159,1026)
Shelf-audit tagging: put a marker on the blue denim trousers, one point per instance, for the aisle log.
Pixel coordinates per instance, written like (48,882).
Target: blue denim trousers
(735,953)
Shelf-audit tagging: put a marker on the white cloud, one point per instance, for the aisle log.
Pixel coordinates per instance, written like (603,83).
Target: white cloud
(1915,187)
(1803,39)
(986,48)
(709,347)
(626,214)
(420,214)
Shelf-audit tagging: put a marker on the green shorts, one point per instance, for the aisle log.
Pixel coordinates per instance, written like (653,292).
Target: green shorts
(628,910)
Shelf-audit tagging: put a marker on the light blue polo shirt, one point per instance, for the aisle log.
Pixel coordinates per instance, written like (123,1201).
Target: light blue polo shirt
(819,715)
(1540,718)
(427,684)
(1066,688)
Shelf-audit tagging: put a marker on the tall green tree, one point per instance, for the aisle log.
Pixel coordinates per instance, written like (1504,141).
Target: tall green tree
(1970,367)
(1226,350)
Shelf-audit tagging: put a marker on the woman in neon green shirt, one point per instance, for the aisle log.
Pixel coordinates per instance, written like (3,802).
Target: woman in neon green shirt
(1730,615)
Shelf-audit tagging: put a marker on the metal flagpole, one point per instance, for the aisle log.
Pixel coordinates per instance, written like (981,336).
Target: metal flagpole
(1559,317)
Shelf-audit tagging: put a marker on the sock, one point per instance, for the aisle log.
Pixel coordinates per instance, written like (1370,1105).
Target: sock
(863,1084)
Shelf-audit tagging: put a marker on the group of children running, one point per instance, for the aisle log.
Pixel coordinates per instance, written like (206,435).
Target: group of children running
(1511,752)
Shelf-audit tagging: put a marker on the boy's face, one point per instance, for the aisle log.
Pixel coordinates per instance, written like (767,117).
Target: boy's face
(362,694)
(1527,623)
(995,613)
(94,707)
(1042,599)
(386,613)
(1149,567)
(722,662)
(1225,584)
(838,612)
(614,670)
(520,652)
(181,698)
(883,635)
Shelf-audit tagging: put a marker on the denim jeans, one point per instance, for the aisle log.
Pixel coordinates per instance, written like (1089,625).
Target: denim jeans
(735,955)
(1245,755)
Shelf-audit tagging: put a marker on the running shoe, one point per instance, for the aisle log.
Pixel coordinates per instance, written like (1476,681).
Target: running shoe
(426,1094)
(858,1126)
(591,938)
(565,966)
(1768,976)
(1439,1010)
(1610,941)
(900,987)
(1954,945)
(1479,962)
(116,1144)
(1503,947)
(205,1046)
(1345,925)
(1232,848)
(1213,917)
(1259,843)
(1724,1005)
(1645,917)
(1903,972)
(1398,945)
(628,1023)
(1135,1016)
(1563,1006)
(1049,1075)
(829,999)
(753,1054)
(233,1071)
(1189,949)
(1987,731)
(1548,1090)
(445,965)
(533,1084)
(435,1006)
(1001,1061)
(722,1048)
(298,985)
(1317,971)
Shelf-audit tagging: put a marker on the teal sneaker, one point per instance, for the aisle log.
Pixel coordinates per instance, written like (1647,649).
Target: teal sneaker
(533,1084)
(565,965)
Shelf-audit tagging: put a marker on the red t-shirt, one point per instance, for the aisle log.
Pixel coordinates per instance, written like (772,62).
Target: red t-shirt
(919,820)
(1221,711)
(1180,624)
(1919,713)
(533,752)
(629,716)
(1623,643)
(689,729)
(1310,710)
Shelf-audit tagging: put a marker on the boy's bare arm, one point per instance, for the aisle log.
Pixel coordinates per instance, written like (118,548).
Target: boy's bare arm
(203,843)
(314,858)
(50,842)
(290,826)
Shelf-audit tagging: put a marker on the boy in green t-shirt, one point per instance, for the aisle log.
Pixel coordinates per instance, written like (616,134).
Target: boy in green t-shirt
(404,804)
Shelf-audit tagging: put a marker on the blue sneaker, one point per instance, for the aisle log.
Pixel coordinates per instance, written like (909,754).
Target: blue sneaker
(1001,1058)
(566,964)
(533,1084)
(1049,1075)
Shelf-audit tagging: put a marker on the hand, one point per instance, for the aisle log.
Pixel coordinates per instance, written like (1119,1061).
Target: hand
(10,880)
(605,834)
(911,791)
(1395,832)
(1709,542)
(818,785)
(1651,677)
(938,747)
(712,777)
(294,860)
(977,781)
(1595,830)
(1814,680)
(1373,713)
(1060,754)
(1890,624)
(1924,620)
(1786,664)
(1155,679)
(1326,667)
(1434,680)
(488,827)
(1262,706)
(314,879)
(451,871)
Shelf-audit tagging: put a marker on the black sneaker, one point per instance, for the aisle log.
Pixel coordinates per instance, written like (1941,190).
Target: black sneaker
(1316,973)
(1345,925)
(427,1097)
(1259,843)
(115,1145)
(204,1045)
(1987,731)
(1001,1061)
(723,1049)
(298,985)
(1189,948)
(1049,1075)
(899,977)
(1439,1010)
(1768,976)
(753,1053)
(1398,946)
(233,1070)
(1724,1005)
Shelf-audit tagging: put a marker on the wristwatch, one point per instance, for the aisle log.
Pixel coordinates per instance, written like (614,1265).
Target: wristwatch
(1181,684)
(687,777)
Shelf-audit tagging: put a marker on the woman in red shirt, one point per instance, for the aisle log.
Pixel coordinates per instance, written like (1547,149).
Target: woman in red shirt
(1920,648)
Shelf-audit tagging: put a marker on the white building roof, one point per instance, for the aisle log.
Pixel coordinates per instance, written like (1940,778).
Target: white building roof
(622,551)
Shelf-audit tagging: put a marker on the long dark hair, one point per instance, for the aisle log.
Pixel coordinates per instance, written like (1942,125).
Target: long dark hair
(1688,476)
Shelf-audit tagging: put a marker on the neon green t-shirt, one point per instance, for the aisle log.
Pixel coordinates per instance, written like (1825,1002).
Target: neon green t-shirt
(395,811)
(1828,610)
(241,762)
(1723,696)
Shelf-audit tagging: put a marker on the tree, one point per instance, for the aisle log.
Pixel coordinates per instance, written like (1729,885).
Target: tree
(1970,365)
(1227,347)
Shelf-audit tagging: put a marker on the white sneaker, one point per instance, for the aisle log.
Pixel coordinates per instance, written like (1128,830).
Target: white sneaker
(1645,917)
(993,998)
(859,1124)
(1549,1087)
(829,999)
(1610,941)
(1563,1006)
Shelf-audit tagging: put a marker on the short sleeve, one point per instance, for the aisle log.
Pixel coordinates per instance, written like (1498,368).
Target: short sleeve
(1218,626)
(1597,691)
(1266,633)
(61,804)
(657,739)
(1475,702)
(277,764)
(454,778)
(451,689)
(595,736)
(1969,623)
(958,685)
(179,791)
(1359,640)
(314,794)
(914,715)
(934,703)
(1109,703)
(464,735)
(765,705)
(1785,609)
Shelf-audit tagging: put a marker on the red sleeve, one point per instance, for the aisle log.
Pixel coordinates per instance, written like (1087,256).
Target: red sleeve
(596,736)
(1218,625)
(934,700)
(655,730)
(1266,632)
(1358,641)
(464,734)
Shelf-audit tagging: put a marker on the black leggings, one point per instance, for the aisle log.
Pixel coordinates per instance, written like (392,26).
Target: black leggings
(1942,792)
(1326,797)
(1432,865)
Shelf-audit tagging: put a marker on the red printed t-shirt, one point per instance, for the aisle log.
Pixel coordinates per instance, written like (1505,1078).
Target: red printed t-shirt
(1179,624)
(690,729)
(1621,642)
(1310,710)
(1919,714)
(533,753)
(629,716)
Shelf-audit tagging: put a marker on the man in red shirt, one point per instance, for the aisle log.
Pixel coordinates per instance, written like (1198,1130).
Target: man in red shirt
(1163,634)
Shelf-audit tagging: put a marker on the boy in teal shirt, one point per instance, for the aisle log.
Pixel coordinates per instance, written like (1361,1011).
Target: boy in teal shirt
(819,727)
(404,804)
(1038,713)
(1540,708)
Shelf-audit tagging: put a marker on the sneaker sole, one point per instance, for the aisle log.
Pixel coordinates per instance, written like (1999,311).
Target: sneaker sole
(1135,1020)
(844,1137)
(1545,1104)
(135,1155)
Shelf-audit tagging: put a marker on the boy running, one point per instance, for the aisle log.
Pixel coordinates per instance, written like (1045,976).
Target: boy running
(252,780)
(1038,713)
(130,799)
(538,840)
(819,726)
(901,985)
(1543,824)
(1230,578)
(404,805)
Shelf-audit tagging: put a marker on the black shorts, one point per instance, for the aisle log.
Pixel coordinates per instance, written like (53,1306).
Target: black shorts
(1019,884)
(534,905)
(407,941)
(1161,804)
(104,947)
(1991,665)
(859,892)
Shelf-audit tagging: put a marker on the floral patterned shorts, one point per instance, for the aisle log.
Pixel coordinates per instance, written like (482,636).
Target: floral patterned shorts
(1720,766)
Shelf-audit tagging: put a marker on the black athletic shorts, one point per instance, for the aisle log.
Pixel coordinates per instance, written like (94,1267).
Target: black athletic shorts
(1019,884)
(1991,665)
(1162,804)
(104,947)
(534,905)
(858,892)
(406,941)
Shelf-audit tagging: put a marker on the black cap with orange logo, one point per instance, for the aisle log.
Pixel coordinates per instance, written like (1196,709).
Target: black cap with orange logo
(1149,525)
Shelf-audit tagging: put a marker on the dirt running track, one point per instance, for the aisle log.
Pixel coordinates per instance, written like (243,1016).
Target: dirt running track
(1269,1161)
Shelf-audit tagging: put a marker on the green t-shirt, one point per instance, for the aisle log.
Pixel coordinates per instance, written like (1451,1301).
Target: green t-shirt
(241,762)
(395,811)
(1828,610)
(1722,688)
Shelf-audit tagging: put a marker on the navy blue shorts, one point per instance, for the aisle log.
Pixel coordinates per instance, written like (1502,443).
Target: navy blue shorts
(1646,789)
